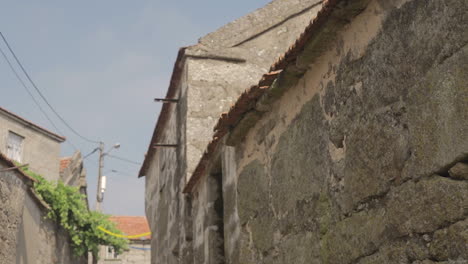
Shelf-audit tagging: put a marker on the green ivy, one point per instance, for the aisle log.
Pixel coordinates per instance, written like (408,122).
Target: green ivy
(68,208)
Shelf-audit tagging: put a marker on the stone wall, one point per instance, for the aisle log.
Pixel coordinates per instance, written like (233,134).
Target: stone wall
(165,204)
(211,75)
(12,195)
(364,158)
(26,236)
(219,73)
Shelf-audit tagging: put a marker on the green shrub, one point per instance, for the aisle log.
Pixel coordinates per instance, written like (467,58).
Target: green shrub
(68,208)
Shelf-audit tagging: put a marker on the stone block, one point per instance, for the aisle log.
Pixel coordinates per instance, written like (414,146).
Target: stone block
(450,243)
(358,235)
(459,171)
(427,205)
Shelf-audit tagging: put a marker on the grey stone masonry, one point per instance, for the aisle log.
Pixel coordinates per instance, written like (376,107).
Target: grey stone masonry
(208,77)
(27,237)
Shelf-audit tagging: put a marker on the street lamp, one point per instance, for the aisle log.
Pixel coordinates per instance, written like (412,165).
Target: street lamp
(101,178)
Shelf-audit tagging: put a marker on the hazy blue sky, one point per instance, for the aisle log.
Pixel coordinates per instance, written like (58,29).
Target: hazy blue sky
(101,63)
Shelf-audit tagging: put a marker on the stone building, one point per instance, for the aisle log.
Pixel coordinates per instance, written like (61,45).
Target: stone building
(27,237)
(207,79)
(73,173)
(26,142)
(351,148)
(139,251)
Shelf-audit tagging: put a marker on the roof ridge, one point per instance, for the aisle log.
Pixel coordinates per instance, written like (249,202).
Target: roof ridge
(255,22)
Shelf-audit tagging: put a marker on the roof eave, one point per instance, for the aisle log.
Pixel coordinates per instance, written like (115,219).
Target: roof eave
(164,114)
(33,126)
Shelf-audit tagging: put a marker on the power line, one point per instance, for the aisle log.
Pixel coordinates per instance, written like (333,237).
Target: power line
(124,159)
(42,96)
(27,90)
(124,173)
(32,96)
(89,154)
(120,172)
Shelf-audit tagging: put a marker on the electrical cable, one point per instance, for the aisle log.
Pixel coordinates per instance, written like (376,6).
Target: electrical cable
(32,96)
(89,154)
(42,96)
(124,159)
(122,173)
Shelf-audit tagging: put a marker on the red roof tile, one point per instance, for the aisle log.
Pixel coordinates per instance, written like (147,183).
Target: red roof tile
(64,162)
(132,225)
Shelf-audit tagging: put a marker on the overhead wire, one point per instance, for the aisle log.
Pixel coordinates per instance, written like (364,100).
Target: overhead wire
(43,97)
(49,105)
(89,154)
(18,77)
(124,159)
(122,173)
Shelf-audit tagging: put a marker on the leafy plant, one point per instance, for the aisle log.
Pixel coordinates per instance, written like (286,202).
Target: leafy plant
(68,208)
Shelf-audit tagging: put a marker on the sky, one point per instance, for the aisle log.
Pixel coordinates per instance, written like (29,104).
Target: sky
(100,64)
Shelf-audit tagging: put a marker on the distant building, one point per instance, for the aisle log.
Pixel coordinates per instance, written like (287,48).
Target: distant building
(26,142)
(23,223)
(27,236)
(73,173)
(139,248)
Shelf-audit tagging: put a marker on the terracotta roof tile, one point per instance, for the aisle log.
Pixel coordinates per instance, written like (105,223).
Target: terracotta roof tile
(132,225)
(64,162)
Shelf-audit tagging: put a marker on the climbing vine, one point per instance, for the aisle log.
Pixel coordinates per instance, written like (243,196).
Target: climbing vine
(68,208)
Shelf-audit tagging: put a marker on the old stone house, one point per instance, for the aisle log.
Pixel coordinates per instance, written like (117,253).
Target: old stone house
(27,237)
(351,148)
(207,79)
(73,172)
(25,142)
(139,249)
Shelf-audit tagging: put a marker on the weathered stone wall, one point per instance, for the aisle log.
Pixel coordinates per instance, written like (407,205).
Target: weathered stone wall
(12,195)
(214,74)
(39,151)
(26,236)
(166,206)
(362,160)
(233,61)
(208,245)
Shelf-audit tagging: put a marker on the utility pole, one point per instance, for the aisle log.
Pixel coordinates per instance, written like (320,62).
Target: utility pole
(99,197)
(100,191)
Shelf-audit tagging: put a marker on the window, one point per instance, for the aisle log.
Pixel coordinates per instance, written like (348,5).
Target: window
(14,146)
(111,254)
